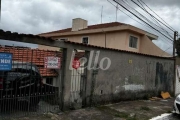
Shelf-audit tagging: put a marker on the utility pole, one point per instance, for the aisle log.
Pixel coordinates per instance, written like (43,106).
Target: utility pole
(105,38)
(174,46)
(104,32)
(174,42)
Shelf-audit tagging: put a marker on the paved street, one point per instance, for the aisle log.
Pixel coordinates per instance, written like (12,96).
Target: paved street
(128,110)
(172,117)
(169,116)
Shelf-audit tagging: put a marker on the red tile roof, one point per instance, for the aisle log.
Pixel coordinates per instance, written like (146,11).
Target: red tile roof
(35,56)
(97,26)
(104,25)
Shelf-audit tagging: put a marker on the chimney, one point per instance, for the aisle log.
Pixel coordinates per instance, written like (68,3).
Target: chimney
(79,24)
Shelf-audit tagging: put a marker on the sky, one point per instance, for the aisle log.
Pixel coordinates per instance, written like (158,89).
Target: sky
(39,16)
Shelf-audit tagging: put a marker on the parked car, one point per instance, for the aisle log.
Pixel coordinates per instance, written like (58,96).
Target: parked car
(22,84)
(177,105)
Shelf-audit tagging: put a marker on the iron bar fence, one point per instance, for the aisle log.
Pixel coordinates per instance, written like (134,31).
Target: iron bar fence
(29,87)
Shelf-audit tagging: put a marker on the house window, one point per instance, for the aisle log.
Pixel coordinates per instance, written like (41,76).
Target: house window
(49,81)
(85,40)
(133,42)
(63,39)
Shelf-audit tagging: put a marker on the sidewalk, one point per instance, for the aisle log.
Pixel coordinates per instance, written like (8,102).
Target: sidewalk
(130,110)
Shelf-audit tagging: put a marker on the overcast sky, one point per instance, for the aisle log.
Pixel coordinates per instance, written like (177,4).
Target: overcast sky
(38,16)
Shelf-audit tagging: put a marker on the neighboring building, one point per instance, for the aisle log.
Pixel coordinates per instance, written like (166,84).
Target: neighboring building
(36,56)
(110,35)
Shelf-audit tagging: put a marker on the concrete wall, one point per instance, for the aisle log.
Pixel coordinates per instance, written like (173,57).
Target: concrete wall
(177,83)
(131,76)
(178,60)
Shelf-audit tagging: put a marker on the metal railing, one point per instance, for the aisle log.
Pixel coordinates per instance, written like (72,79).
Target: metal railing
(29,87)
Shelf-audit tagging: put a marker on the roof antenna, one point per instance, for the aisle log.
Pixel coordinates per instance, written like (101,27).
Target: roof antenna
(116,11)
(101,14)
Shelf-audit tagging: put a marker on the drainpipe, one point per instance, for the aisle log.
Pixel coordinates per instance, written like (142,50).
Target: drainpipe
(104,38)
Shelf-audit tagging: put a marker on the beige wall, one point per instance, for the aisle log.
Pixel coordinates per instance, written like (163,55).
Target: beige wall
(148,47)
(117,40)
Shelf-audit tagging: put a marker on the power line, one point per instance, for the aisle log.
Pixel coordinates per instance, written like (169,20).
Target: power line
(127,6)
(128,15)
(151,14)
(145,25)
(139,13)
(155,19)
(158,25)
(147,18)
(124,12)
(141,19)
(165,50)
(157,15)
(146,11)
(168,42)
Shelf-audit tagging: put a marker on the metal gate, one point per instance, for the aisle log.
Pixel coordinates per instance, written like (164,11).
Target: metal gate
(30,87)
(78,81)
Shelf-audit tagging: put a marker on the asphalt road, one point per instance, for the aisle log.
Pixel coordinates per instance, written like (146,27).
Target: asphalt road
(172,117)
(168,117)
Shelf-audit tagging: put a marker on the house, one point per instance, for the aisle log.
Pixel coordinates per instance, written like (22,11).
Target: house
(130,76)
(36,56)
(110,35)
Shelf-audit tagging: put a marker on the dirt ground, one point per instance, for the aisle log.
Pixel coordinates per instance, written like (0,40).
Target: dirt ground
(129,110)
